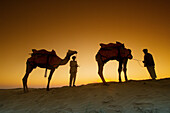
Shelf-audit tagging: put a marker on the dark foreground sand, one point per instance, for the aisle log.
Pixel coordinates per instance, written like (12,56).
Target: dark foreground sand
(143,96)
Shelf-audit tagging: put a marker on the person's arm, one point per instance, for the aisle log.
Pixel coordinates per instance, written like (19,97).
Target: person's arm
(152,61)
(77,64)
(145,60)
(71,64)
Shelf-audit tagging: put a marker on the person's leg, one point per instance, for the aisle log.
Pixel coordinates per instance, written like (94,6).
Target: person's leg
(151,71)
(71,78)
(74,79)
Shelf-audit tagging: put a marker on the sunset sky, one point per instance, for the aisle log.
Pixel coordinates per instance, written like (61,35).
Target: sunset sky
(82,25)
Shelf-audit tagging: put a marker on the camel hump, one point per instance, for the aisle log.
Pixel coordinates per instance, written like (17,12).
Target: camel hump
(111,45)
(43,52)
(34,50)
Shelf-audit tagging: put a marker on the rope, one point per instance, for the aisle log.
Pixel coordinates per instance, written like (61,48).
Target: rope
(136,59)
(138,62)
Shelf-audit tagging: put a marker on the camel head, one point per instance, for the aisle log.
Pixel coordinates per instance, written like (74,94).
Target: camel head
(129,55)
(70,52)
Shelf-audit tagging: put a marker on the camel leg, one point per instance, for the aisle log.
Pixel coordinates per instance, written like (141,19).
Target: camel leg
(120,70)
(29,68)
(125,70)
(49,78)
(100,72)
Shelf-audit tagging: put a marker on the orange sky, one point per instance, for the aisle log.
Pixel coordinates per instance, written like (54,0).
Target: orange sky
(81,25)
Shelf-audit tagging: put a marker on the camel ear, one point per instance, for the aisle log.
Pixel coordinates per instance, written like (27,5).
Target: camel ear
(129,50)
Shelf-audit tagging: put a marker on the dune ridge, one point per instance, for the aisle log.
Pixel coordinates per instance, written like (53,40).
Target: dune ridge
(135,96)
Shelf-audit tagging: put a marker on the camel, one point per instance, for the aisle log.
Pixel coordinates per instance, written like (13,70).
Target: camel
(113,51)
(44,59)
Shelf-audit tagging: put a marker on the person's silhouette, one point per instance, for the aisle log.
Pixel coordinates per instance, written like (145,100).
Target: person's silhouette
(73,71)
(149,63)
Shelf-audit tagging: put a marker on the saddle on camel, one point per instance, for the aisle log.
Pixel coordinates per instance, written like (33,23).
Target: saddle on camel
(44,59)
(113,51)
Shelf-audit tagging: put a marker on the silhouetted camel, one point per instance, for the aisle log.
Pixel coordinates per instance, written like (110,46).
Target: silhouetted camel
(113,51)
(44,59)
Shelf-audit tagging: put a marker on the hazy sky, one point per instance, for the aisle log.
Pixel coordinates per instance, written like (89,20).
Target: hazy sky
(82,25)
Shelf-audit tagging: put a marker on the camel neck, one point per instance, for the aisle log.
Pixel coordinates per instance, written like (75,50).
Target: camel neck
(65,60)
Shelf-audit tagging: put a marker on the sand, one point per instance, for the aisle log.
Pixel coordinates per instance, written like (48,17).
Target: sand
(144,96)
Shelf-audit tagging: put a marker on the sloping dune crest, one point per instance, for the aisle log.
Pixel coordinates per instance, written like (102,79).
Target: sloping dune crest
(143,96)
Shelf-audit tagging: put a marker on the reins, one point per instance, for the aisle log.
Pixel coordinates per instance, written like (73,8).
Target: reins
(138,61)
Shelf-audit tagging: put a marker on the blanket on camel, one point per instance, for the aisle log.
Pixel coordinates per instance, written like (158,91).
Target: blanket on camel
(113,51)
(44,58)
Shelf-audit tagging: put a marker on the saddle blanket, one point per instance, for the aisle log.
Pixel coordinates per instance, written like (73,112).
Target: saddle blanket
(44,58)
(113,51)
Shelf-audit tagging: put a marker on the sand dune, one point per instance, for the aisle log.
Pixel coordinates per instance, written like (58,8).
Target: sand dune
(143,96)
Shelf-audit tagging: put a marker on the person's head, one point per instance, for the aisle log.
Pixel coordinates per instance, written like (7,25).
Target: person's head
(145,51)
(74,57)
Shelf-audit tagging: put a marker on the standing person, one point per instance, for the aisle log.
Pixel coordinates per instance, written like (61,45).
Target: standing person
(73,70)
(149,63)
